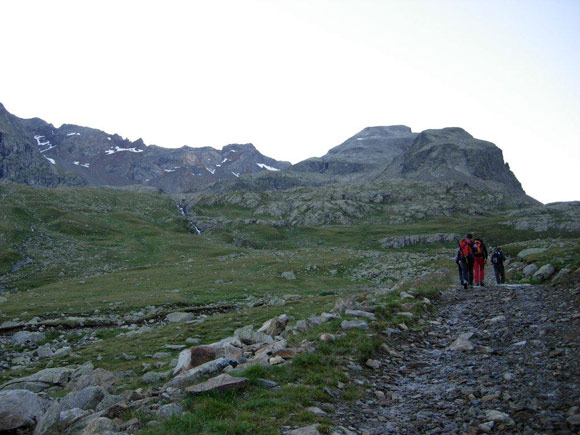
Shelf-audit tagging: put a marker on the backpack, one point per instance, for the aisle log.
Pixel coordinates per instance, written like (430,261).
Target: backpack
(477,248)
(496,258)
(465,247)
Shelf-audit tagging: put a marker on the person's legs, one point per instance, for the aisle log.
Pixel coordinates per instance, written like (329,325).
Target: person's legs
(477,272)
(502,273)
(497,273)
(470,271)
(460,270)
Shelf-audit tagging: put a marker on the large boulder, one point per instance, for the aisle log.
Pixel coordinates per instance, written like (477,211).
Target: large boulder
(195,374)
(98,377)
(545,272)
(219,383)
(530,269)
(530,251)
(87,398)
(275,326)
(20,410)
(27,337)
(40,381)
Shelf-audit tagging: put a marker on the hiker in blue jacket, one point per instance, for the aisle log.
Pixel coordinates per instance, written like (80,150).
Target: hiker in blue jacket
(497,259)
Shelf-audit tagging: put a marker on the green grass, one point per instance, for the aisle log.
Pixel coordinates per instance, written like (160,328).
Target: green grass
(118,251)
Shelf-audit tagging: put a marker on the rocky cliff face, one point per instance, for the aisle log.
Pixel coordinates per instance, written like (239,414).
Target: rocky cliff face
(366,152)
(453,154)
(35,152)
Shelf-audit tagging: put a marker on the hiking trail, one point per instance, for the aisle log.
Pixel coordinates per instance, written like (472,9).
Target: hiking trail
(519,372)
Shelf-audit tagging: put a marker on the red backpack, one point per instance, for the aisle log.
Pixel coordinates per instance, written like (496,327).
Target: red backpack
(465,246)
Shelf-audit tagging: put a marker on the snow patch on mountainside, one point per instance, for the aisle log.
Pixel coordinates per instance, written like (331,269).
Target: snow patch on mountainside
(73,134)
(265,166)
(118,149)
(50,160)
(43,144)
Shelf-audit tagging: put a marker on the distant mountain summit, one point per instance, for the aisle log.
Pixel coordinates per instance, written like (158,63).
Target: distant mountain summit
(369,150)
(452,154)
(35,152)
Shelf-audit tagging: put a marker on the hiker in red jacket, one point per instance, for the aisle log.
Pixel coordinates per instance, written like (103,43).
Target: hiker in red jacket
(480,257)
(466,248)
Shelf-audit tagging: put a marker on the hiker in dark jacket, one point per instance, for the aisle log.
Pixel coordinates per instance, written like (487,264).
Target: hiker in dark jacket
(497,260)
(480,258)
(466,247)
(462,268)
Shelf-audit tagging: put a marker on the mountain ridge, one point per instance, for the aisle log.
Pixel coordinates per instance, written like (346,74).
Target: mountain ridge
(35,152)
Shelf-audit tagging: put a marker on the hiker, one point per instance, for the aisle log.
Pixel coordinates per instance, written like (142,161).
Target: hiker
(497,259)
(480,258)
(466,247)
(462,268)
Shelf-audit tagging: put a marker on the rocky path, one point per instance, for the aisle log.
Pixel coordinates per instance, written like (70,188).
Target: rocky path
(515,369)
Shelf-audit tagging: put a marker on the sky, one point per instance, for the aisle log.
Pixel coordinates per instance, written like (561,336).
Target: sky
(298,77)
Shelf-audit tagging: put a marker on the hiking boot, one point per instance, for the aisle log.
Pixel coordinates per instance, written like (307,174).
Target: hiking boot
(481,284)
(465,285)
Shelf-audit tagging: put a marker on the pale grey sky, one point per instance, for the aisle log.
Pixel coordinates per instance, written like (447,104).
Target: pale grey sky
(299,77)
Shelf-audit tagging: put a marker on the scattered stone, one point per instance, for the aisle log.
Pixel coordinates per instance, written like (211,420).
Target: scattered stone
(306,430)
(41,380)
(496,319)
(288,275)
(316,410)
(498,417)
(219,383)
(276,360)
(530,269)
(373,364)
(574,420)
(354,324)
(154,377)
(170,409)
(327,337)
(462,343)
(360,313)
(161,355)
(192,340)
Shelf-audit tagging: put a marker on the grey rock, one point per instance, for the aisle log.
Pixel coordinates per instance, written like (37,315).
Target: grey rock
(218,383)
(195,374)
(179,317)
(26,337)
(170,409)
(154,377)
(97,377)
(306,430)
(41,380)
(20,410)
(360,313)
(545,272)
(530,269)
(530,251)
(288,275)
(354,324)
(87,398)
(275,326)
(161,355)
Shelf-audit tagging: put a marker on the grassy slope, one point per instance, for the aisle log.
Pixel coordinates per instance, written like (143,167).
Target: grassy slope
(120,251)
